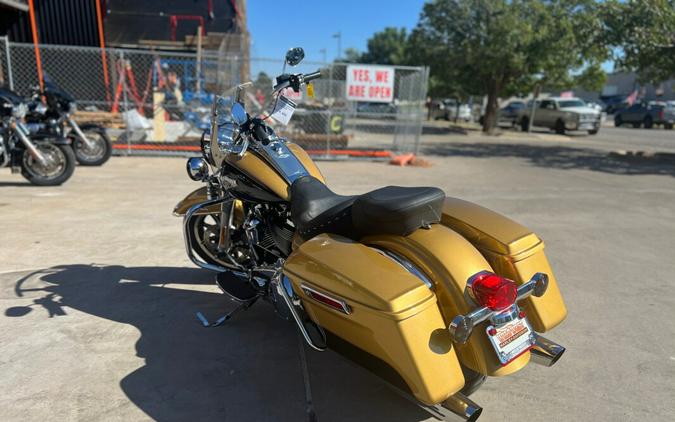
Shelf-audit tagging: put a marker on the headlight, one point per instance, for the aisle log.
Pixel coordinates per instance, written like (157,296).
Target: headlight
(40,108)
(19,111)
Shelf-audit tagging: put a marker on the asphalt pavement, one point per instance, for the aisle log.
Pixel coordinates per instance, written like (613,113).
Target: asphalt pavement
(98,299)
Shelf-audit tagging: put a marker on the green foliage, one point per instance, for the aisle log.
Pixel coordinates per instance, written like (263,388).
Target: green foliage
(496,47)
(643,34)
(387,47)
(351,55)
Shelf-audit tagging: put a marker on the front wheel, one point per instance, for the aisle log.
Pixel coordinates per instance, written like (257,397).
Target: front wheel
(560,127)
(59,166)
(593,131)
(204,234)
(97,152)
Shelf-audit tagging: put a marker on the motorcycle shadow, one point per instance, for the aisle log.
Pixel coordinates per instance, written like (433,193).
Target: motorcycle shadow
(248,369)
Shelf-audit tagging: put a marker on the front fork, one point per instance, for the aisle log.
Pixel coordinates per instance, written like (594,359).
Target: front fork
(22,132)
(79,132)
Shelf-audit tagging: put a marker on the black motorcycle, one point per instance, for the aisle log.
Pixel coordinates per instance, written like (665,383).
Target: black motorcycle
(42,160)
(90,142)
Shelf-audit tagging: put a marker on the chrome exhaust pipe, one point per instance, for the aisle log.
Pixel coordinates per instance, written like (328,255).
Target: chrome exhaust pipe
(462,406)
(545,352)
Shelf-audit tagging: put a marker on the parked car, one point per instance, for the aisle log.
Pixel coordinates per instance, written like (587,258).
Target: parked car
(614,103)
(376,110)
(562,114)
(594,105)
(508,114)
(647,115)
(447,109)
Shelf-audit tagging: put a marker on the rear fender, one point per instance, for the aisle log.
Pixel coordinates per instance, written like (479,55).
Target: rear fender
(513,251)
(449,260)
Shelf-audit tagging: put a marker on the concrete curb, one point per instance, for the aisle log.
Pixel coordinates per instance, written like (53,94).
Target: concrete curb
(641,155)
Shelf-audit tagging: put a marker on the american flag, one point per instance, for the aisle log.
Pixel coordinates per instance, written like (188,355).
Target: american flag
(632,97)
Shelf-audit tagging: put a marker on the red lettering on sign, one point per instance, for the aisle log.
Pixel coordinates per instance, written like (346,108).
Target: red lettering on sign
(361,75)
(357,91)
(382,76)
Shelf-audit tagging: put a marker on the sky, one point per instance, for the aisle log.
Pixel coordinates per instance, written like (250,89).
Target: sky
(277,25)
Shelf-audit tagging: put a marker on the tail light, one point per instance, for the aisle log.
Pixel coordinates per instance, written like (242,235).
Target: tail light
(492,291)
(662,114)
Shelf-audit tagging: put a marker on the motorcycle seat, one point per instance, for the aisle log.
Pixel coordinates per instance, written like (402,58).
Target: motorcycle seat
(395,210)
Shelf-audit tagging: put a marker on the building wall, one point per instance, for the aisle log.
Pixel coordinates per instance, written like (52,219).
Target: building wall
(70,22)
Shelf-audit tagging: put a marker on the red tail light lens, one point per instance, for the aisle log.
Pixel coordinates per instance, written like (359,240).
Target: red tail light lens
(662,114)
(492,291)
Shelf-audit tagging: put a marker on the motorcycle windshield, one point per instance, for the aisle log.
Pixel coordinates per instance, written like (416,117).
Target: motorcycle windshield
(53,89)
(9,95)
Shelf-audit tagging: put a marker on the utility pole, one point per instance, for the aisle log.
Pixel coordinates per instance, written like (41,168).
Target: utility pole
(338,35)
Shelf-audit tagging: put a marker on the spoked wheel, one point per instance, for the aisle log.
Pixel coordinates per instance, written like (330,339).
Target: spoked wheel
(98,150)
(59,166)
(204,234)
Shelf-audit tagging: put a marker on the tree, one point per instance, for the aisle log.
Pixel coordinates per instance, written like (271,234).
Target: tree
(498,47)
(643,34)
(351,55)
(387,47)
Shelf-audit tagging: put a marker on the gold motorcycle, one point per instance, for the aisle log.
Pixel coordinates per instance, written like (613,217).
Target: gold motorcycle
(431,293)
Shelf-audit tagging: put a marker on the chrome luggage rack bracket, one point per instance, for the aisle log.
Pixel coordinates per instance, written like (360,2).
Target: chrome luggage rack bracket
(462,326)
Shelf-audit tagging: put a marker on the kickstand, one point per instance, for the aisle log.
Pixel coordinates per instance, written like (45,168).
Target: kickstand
(220,321)
(309,406)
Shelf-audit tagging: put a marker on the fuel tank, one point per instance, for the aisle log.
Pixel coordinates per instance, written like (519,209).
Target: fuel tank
(258,169)
(379,312)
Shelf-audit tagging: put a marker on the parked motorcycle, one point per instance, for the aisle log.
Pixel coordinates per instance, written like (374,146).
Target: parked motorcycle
(90,142)
(429,292)
(45,160)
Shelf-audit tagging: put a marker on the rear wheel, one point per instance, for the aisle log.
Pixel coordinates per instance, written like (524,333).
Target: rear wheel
(668,126)
(648,122)
(97,152)
(59,165)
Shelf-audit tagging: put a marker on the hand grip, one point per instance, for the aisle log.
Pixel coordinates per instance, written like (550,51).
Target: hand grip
(310,76)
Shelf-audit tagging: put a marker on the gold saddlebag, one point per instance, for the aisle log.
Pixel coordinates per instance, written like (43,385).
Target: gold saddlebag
(387,316)
(513,251)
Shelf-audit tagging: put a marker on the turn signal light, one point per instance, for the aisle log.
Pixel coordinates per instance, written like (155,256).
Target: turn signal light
(492,291)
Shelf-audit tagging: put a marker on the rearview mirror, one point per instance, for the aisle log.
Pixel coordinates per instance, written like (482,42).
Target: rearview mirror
(294,56)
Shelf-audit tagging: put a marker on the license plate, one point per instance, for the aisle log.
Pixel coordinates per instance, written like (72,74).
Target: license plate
(511,340)
(586,126)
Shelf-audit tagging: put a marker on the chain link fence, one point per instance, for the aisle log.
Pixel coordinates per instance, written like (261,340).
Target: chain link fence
(158,102)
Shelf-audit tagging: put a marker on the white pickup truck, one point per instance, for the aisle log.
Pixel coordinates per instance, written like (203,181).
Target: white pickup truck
(561,114)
